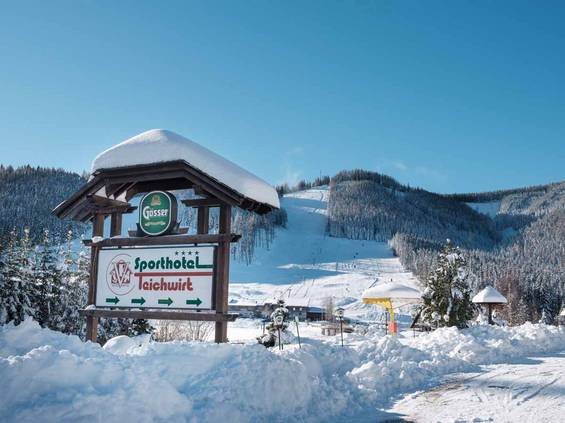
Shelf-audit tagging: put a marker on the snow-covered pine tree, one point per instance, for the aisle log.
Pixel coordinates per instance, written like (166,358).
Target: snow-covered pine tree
(15,301)
(47,281)
(74,288)
(447,297)
(140,327)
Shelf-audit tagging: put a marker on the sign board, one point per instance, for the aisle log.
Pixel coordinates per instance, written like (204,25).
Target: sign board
(156,277)
(157,213)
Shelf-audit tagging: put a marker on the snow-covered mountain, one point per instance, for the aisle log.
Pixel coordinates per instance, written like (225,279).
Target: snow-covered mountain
(304,265)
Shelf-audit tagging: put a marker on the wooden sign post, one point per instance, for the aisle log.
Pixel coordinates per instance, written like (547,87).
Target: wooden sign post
(107,194)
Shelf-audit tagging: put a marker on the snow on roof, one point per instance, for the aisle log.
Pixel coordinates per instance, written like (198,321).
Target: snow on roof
(489,295)
(160,145)
(392,290)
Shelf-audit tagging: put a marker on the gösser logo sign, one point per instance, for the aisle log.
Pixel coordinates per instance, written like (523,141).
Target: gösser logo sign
(157,213)
(162,277)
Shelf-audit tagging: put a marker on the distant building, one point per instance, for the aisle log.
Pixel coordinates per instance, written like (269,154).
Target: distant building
(297,307)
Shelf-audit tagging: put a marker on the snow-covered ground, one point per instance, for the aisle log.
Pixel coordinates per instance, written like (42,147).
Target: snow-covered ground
(305,266)
(529,389)
(50,377)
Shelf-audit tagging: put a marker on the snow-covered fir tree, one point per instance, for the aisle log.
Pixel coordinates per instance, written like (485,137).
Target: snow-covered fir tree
(15,288)
(447,296)
(74,287)
(47,280)
(140,327)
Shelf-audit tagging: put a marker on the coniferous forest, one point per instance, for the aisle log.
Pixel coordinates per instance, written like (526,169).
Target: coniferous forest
(27,196)
(519,250)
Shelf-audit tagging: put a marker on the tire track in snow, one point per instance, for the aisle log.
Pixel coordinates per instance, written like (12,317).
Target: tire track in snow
(532,391)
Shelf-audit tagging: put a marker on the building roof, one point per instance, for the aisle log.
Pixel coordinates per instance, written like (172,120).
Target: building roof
(160,145)
(162,160)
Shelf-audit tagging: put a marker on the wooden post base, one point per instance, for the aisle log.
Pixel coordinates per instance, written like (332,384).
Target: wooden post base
(221,333)
(91,328)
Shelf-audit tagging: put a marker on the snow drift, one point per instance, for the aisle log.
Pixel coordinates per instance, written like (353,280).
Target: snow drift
(51,377)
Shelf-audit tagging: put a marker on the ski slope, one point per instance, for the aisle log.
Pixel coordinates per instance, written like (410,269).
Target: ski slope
(530,390)
(305,266)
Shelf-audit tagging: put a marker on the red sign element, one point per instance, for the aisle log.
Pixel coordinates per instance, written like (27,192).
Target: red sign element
(120,274)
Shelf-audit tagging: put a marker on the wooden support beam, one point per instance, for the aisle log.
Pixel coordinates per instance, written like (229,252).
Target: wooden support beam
(124,188)
(179,231)
(203,220)
(91,321)
(199,202)
(116,224)
(111,188)
(164,240)
(66,208)
(161,185)
(146,176)
(222,273)
(160,315)
(208,186)
(112,210)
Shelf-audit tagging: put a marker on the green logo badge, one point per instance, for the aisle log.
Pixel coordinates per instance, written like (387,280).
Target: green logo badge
(157,213)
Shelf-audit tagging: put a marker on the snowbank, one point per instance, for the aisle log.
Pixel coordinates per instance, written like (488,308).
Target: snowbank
(51,377)
(159,145)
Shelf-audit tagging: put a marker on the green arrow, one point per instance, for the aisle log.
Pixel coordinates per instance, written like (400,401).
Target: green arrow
(197,302)
(139,301)
(168,301)
(114,300)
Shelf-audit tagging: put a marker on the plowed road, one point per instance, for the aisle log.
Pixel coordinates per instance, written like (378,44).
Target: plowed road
(529,390)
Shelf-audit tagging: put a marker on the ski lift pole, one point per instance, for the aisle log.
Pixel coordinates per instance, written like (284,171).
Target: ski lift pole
(297,331)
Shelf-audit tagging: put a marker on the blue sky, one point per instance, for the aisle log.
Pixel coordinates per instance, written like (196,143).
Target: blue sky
(451,96)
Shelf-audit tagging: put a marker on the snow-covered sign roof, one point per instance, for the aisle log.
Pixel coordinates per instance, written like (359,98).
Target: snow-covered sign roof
(393,291)
(489,295)
(159,145)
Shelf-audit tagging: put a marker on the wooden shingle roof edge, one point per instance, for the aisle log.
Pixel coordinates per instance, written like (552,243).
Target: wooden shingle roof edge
(85,202)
